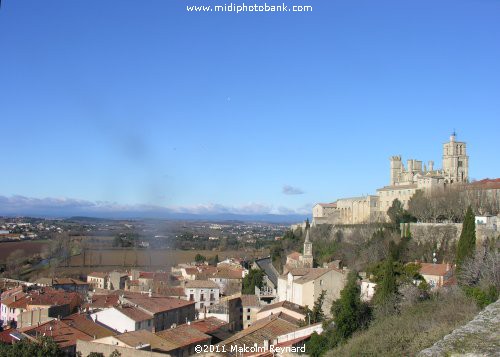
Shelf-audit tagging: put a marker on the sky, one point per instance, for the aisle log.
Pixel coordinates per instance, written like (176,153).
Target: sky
(127,105)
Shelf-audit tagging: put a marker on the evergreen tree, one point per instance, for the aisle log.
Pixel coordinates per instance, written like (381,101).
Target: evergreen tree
(387,287)
(395,212)
(255,277)
(350,314)
(467,243)
(199,258)
(317,314)
(317,344)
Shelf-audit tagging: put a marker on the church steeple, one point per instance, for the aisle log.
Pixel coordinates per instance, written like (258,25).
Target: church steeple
(307,257)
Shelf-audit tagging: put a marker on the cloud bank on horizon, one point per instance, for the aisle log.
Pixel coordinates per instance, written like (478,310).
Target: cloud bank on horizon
(66,207)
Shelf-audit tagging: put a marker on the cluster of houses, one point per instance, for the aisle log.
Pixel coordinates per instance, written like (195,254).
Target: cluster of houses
(191,309)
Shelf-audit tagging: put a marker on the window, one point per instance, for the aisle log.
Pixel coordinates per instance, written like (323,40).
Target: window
(201,305)
(191,297)
(248,317)
(202,297)
(248,310)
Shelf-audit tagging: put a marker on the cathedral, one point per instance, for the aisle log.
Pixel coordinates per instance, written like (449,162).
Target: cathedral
(404,182)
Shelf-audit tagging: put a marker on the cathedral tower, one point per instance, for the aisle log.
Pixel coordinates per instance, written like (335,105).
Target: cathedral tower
(455,161)
(396,169)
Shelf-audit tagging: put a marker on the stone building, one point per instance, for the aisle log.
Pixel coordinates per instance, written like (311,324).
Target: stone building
(404,182)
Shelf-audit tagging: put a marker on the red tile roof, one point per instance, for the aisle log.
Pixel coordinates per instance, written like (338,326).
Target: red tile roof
(156,304)
(208,325)
(134,313)
(171,291)
(250,300)
(434,269)
(486,184)
(102,301)
(294,255)
(157,276)
(85,324)
(183,335)
(63,334)
(51,297)
(68,281)
(286,305)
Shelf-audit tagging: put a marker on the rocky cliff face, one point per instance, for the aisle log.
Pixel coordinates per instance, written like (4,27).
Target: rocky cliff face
(480,337)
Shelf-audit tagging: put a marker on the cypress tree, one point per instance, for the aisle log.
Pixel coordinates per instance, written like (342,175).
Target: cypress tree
(350,314)
(387,287)
(467,243)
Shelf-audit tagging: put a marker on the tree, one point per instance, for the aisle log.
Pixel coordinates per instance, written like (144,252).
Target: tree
(467,242)
(95,354)
(387,287)
(115,353)
(398,214)
(317,344)
(44,347)
(350,314)
(199,258)
(395,212)
(14,263)
(254,278)
(316,314)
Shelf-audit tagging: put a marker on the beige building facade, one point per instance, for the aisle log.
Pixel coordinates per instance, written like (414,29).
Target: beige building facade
(403,183)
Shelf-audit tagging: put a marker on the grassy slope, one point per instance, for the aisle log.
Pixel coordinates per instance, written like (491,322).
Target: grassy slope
(415,329)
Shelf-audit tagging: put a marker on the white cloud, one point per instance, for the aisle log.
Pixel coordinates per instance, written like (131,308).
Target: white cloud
(290,190)
(64,207)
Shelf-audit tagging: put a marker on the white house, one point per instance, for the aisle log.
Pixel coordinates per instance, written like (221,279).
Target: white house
(202,292)
(98,280)
(124,318)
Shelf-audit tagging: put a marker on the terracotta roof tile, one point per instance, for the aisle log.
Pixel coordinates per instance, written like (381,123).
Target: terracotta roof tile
(143,337)
(134,313)
(183,335)
(208,325)
(434,269)
(85,324)
(207,284)
(63,334)
(156,304)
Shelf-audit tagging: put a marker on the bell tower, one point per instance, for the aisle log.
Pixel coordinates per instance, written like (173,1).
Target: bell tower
(455,161)
(307,257)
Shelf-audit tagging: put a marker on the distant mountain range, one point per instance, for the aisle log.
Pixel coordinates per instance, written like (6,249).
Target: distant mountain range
(216,217)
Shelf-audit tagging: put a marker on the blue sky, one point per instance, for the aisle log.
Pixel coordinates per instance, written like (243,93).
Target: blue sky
(141,103)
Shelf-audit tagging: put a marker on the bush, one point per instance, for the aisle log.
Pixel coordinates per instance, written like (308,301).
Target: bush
(483,297)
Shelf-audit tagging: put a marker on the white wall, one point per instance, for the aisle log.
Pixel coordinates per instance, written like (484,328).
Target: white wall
(116,320)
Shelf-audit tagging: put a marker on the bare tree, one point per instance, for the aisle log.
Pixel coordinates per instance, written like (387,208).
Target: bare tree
(483,269)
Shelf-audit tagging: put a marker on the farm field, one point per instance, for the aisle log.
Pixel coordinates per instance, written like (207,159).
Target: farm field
(29,248)
(156,259)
